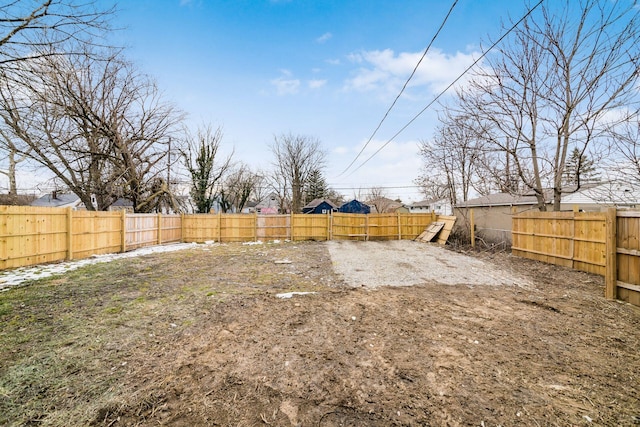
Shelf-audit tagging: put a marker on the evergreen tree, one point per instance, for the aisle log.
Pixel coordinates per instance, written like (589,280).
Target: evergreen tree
(579,169)
(316,186)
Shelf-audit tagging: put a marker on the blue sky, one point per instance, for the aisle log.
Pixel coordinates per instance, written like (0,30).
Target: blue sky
(325,69)
(328,69)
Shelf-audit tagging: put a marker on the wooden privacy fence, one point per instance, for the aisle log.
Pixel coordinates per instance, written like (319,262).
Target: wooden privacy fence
(337,226)
(604,243)
(35,235)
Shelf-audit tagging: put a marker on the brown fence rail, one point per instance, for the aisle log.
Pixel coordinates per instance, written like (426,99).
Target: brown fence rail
(32,235)
(595,242)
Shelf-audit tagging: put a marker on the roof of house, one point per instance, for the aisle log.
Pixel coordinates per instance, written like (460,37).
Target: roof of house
(529,198)
(606,193)
(61,199)
(122,202)
(502,199)
(354,205)
(317,202)
(428,202)
(383,200)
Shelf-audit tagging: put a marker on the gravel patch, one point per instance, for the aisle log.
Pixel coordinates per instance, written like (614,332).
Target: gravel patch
(407,263)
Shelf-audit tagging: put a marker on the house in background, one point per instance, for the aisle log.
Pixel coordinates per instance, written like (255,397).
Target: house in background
(56,199)
(384,205)
(354,206)
(602,195)
(121,205)
(268,205)
(492,214)
(249,208)
(319,206)
(439,206)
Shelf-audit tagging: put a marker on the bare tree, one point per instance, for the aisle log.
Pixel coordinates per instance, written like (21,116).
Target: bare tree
(98,125)
(378,200)
(295,157)
(239,185)
(451,158)
(550,90)
(31,29)
(34,29)
(624,164)
(12,157)
(202,160)
(431,186)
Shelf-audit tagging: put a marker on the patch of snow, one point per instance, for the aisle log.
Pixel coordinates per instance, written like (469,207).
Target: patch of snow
(290,294)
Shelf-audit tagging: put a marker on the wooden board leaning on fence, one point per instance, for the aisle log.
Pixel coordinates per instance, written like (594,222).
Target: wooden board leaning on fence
(438,231)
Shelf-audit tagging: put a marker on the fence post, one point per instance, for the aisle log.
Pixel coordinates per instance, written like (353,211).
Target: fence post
(69,233)
(291,226)
(182,227)
(220,226)
(255,227)
(366,227)
(399,226)
(159,228)
(123,231)
(473,228)
(611,269)
(330,231)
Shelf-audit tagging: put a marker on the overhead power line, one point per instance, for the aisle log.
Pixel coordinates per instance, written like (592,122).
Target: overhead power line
(449,87)
(403,88)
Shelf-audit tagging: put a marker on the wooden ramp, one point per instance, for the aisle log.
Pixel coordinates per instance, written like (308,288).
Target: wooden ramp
(438,231)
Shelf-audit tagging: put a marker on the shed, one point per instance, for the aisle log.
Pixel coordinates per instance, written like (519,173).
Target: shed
(354,206)
(319,206)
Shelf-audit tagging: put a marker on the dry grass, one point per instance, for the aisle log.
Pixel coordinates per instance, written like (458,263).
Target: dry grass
(66,341)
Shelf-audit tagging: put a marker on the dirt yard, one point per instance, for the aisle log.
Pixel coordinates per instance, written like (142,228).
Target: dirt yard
(389,334)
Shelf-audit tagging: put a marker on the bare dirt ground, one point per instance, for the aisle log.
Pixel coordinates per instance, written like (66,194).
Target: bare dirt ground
(199,338)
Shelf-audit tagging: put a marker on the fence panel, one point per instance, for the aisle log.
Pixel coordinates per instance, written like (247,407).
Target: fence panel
(310,227)
(171,231)
(411,225)
(95,233)
(31,235)
(142,230)
(200,228)
(570,239)
(273,227)
(628,257)
(349,226)
(384,226)
(238,228)
(590,242)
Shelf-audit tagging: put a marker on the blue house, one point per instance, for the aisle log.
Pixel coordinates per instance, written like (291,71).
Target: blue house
(319,206)
(354,206)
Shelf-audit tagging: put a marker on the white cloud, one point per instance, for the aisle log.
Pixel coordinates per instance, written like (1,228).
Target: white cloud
(323,38)
(316,84)
(285,84)
(333,61)
(385,70)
